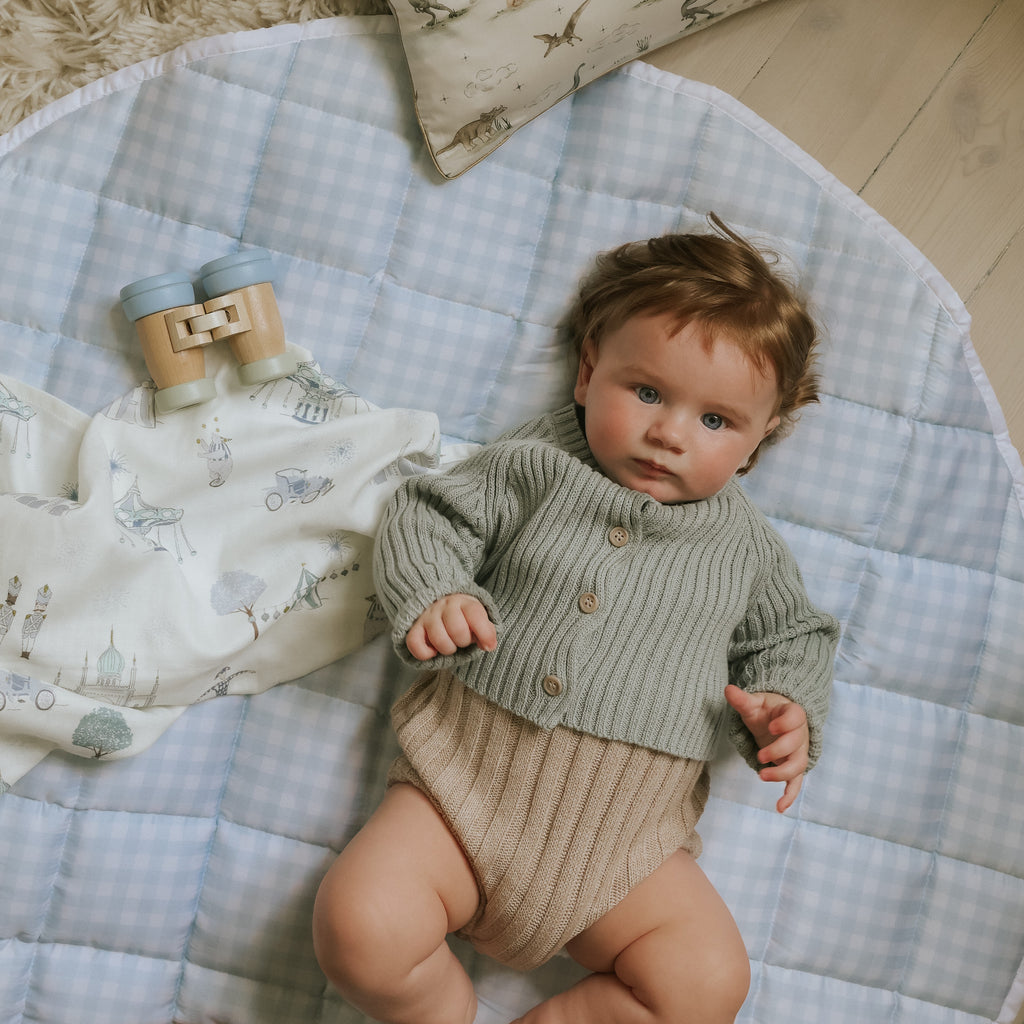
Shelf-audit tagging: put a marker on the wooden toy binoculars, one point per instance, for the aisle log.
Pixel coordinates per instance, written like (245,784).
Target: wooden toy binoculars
(173,328)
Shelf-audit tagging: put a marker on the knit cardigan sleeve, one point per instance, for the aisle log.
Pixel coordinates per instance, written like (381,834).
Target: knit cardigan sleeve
(784,645)
(432,540)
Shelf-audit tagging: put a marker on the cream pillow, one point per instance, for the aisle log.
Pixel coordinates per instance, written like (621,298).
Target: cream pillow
(483,70)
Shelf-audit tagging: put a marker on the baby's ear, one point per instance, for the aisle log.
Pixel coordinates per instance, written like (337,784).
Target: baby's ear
(588,359)
(772,425)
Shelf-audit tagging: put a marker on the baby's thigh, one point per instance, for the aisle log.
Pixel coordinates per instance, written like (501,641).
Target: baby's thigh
(403,880)
(671,937)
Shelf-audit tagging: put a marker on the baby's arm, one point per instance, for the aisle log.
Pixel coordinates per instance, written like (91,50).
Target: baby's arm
(433,538)
(781,657)
(449,624)
(780,730)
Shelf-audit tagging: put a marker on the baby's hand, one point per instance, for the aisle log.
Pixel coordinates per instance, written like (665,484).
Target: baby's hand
(450,623)
(779,728)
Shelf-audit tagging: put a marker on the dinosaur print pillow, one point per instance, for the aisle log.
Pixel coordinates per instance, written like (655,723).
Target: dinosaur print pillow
(483,69)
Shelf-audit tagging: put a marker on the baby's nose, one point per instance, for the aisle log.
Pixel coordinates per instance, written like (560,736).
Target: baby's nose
(669,431)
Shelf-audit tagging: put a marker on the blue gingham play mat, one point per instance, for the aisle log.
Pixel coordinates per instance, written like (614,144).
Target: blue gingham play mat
(177,884)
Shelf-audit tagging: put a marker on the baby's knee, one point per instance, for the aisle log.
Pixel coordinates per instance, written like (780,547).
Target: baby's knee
(724,985)
(351,939)
(698,984)
(712,994)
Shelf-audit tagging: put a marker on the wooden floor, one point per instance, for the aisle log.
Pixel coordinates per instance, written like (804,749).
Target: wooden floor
(916,105)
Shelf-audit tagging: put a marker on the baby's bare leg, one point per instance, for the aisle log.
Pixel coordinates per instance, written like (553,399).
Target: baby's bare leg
(669,953)
(383,912)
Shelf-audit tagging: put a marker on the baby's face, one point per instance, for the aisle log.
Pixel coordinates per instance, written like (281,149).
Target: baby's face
(669,415)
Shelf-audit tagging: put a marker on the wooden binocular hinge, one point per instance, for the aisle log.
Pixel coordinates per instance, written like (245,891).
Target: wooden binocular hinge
(218,318)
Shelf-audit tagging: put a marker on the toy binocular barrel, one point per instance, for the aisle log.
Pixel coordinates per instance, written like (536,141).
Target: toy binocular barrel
(173,327)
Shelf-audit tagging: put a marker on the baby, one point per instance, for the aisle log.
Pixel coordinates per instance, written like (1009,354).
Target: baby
(595,599)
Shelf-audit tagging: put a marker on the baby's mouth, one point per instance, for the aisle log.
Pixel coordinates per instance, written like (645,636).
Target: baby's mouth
(653,468)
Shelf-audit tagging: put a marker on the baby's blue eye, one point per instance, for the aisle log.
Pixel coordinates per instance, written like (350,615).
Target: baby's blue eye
(712,421)
(649,396)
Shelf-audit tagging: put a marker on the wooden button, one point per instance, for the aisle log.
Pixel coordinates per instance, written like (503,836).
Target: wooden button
(588,603)
(618,536)
(552,686)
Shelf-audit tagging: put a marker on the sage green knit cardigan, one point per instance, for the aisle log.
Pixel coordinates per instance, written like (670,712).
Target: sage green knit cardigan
(617,616)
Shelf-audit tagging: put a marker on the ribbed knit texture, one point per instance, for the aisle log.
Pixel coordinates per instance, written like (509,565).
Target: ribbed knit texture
(698,595)
(559,826)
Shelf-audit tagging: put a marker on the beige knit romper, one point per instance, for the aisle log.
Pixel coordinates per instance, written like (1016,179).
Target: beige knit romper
(557,825)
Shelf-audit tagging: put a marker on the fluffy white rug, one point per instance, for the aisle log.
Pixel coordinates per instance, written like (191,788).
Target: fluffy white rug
(50,47)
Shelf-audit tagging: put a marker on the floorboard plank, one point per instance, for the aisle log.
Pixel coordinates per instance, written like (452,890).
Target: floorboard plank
(848,79)
(953,182)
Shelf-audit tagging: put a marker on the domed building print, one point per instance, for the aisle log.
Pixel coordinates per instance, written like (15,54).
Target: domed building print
(110,685)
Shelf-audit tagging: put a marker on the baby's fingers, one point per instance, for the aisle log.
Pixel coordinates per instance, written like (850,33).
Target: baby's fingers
(792,775)
(741,701)
(429,636)
(451,630)
(783,748)
(790,793)
(480,626)
(783,771)
(418,645)
(448,625)
(787,717)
